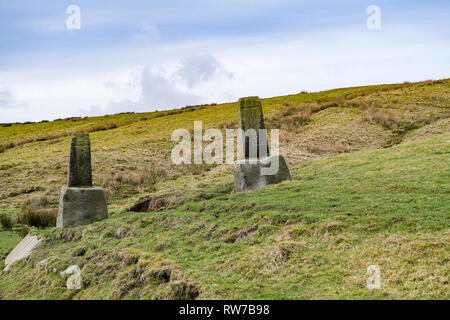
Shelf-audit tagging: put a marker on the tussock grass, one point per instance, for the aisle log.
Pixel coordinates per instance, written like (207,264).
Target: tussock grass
(6,221)
(40,218)
(38,212)
(387,119)
(327,149)
(310,238)
(352,203)
(311,125)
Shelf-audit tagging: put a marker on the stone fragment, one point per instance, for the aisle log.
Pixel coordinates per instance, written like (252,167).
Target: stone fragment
(41,263)
(74,281)
(22,250)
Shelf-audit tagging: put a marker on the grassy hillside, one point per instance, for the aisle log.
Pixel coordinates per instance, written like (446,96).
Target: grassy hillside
(370,186)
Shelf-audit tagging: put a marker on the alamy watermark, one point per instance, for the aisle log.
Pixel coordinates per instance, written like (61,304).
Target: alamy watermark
(73,22)
(374,277)
(374,20)
(213,152)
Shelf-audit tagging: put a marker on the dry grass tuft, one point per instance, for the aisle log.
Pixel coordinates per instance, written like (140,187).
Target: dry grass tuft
(292,117)
(327,149)
(155,203)
(121,233)
(6,221)
(228,124)
(138,177)
(69,235)
(183,290)
(38,217)
(35,213)
(388,119)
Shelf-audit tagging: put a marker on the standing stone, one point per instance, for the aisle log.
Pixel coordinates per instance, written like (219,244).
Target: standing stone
(247,172)
(80,171)
(251,117)
(80,202)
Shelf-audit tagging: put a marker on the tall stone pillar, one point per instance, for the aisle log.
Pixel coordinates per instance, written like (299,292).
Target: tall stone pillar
(80,170)
(80,202)
(251,118)
(248,172)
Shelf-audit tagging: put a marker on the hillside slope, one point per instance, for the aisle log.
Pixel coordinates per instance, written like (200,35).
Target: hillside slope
(384,201)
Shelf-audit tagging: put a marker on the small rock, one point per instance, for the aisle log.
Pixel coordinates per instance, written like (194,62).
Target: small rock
(74,281)
(41,263)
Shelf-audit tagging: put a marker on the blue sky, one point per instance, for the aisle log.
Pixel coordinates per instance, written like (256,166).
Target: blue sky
(153,55)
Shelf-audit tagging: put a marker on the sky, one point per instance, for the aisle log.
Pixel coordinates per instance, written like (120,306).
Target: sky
(144,56)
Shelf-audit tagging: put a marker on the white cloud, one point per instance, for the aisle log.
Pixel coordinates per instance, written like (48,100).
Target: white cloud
(200,68)
(156,91)
(11,109)
(145,33)
(5,98)
(8,100)
(161,89)
(119,79)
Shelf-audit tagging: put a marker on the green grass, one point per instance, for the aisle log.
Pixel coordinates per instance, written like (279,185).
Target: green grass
(141,142)
(311,238)
(352,203)
(8,240)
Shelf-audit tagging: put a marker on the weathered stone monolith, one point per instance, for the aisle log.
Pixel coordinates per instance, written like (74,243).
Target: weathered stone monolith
(251,172)
(80,202)
(251,117)
(80,171)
